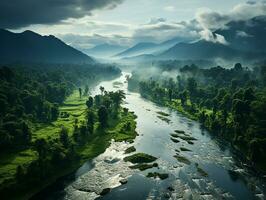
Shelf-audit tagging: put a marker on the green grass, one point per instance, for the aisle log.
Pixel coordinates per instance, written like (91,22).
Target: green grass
(9,163)
(97,143)
(74,106)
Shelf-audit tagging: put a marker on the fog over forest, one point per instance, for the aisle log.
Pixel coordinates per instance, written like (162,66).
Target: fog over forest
(144,99)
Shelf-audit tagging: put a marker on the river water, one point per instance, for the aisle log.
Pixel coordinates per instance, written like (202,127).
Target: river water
(214,170)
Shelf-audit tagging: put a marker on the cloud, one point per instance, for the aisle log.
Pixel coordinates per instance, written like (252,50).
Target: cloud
(170,8)
(213,37)
(160,30)
(242,34)
(156,21)
(89,41)
(212,20)
(21,13)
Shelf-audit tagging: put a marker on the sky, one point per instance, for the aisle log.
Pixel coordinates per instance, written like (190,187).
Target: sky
(86,23)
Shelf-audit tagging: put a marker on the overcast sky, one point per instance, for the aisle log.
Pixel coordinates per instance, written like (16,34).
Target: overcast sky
(85,23)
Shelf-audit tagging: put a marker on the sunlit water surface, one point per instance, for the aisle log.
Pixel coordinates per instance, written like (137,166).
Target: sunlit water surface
(227,178)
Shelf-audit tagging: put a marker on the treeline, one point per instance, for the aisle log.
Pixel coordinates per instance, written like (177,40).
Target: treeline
(33,94)
(64,151)
(229,102)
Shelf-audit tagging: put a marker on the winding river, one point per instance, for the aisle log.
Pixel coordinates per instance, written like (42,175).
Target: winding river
(214,172)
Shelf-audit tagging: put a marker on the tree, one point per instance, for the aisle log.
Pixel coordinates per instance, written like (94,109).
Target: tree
(184,97)
(103,116)
(90,120)
(89,102)
(80,92)
(117,98)
(54,112)
(238,67)
(86,90)
(64,138)
(192,86)
(20,172)
(170,94)
(102,89)
(41,147)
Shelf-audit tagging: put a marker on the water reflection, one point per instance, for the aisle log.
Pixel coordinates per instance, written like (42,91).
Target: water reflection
(214,172)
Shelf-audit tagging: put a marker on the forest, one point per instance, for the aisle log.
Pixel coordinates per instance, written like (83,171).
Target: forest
(39,132)
(231,103)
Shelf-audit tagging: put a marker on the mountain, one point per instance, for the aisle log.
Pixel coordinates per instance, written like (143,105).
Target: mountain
(140,58)
(138,49)
(248,35)
(104,50)
(246,41)
(204,50)
(147,48)
(30,47)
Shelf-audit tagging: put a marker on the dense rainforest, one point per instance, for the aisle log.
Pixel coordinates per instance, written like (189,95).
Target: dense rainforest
(48,122)
(229,102)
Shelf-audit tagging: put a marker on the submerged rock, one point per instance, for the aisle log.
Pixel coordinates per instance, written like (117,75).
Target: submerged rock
(105,191)
(170,188)
(123,181)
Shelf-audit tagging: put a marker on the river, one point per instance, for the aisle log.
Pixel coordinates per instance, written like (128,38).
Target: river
(215,170)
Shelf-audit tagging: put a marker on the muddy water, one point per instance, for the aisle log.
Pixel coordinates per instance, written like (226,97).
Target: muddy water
(211,172)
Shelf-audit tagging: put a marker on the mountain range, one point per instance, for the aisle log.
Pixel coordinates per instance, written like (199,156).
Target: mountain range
(30,47)
(245,41)
(104,50)
(146,48)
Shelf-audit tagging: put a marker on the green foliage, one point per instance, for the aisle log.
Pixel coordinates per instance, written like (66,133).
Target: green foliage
(39,122)
(229,102)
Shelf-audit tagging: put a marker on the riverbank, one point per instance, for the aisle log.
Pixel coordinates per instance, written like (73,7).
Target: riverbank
(194,114)
(75,108)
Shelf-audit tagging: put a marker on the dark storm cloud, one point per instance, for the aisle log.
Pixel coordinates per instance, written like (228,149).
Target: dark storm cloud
(20,13)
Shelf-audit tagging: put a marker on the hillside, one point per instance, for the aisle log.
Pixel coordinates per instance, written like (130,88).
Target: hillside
(30,47)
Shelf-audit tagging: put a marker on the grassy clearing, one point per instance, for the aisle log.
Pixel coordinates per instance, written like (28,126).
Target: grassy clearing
(75,108)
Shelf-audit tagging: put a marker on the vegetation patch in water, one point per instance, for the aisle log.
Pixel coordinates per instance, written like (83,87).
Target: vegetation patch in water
(144,166)
(187,138)
(140,158)
(156,174)
(174,135)
(190,142)
(201,171)
(184,149)
(165,119)
(175,140)
(182,159)
(163,114)
(130,150)
(105,191)
(180,131)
